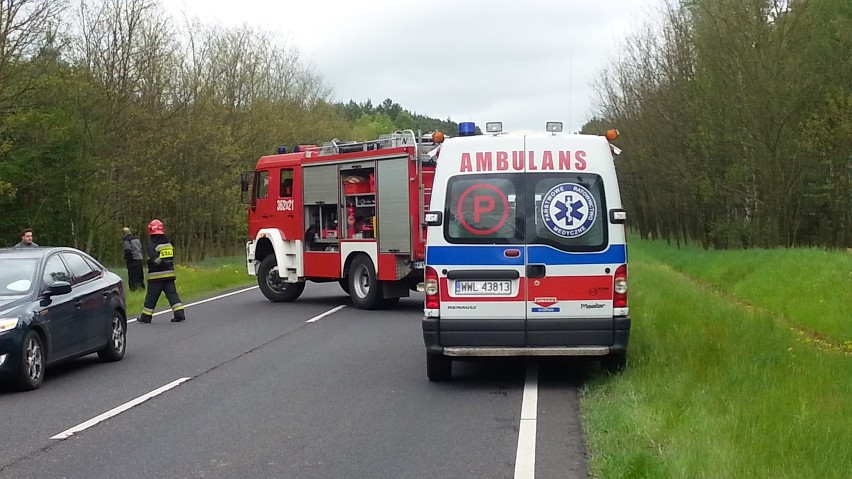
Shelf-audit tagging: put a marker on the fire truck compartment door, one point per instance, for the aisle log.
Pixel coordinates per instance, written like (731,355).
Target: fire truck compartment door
(394,213)
(320,184)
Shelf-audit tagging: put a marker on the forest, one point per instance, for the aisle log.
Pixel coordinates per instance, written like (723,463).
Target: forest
(112,113)
(735,120)
(736,123)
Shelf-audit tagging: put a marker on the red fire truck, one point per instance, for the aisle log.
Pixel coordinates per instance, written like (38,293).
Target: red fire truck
(347,212)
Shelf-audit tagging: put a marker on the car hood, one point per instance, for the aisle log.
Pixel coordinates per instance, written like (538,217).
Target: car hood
(8,303)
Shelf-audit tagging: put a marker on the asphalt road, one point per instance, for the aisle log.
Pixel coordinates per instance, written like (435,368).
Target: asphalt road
(263,390)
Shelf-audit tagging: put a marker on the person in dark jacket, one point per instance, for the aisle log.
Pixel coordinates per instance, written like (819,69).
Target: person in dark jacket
(161,275)
(133,259)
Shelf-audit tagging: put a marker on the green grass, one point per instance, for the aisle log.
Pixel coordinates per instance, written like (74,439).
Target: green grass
(716,388)
(194,281)
(808,288)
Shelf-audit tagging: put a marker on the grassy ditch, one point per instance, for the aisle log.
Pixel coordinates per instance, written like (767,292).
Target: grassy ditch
(732,372)
(194,281)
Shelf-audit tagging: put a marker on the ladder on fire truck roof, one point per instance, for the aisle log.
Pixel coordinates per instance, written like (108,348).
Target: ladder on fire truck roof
(392,140)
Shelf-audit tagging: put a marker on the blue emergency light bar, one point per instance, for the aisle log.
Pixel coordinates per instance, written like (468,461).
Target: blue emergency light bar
(282,150)
(467,128)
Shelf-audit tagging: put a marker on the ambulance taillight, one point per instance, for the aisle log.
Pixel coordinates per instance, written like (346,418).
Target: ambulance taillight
(619,287)
(430,287)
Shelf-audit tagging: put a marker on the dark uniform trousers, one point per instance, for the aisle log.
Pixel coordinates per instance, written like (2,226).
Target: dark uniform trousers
(155,287)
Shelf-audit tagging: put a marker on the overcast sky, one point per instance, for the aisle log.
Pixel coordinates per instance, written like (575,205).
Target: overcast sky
(520,62)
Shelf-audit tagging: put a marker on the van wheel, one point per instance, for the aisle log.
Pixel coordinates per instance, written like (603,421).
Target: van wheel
(438,367)
(615,363)
(33,362)
(273,286)
(364,288)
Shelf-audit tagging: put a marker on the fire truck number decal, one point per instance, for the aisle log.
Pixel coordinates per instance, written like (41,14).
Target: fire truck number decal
(568,210)
(482,209)
(285,204)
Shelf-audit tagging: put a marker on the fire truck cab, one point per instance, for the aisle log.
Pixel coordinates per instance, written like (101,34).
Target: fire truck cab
(526,250)
(346,212)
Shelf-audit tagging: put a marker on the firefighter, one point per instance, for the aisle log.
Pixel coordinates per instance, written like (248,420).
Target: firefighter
(161,274)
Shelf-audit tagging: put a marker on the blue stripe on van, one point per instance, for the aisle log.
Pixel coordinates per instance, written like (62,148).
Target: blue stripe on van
(473,255)
(492,255)
(539,254)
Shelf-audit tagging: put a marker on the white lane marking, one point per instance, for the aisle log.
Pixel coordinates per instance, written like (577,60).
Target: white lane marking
(202,301)
(525,458)
(118,410)
(330,311)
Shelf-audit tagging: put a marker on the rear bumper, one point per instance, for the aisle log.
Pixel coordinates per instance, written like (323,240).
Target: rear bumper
(487,343)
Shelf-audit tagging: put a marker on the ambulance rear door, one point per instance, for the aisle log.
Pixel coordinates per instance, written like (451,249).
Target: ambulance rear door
(480,254)
(570,263)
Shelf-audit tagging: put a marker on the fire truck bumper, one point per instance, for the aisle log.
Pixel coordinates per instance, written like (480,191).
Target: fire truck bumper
(251,264)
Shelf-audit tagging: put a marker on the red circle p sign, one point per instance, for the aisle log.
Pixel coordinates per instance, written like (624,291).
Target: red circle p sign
(482,209)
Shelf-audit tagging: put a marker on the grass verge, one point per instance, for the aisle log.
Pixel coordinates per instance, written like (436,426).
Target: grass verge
(716,388)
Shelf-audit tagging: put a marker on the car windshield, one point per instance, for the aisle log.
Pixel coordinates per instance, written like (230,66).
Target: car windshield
(16,276)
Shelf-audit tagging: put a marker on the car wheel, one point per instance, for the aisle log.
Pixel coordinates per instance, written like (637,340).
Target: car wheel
(364,288)
(615,363)
(438,367)
(117,343)
(344,285)
(273,286)
(32,362)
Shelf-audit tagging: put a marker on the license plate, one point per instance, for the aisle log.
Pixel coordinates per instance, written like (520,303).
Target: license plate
(483,288)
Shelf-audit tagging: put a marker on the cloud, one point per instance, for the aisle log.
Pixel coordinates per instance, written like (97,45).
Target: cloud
(523,63)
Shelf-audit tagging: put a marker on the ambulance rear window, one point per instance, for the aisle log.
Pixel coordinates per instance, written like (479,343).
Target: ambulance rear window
(569,212)
(483,209)
(563,210)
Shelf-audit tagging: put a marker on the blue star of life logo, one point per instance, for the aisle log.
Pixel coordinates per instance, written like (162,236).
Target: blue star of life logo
(568,210)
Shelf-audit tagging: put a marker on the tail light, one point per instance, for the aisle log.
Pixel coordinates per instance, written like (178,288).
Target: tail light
(430,286)
(619,287)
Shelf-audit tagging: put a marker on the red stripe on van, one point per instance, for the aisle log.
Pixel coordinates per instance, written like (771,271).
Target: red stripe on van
(571,288)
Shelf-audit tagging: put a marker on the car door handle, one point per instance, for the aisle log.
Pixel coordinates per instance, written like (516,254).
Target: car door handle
(78,304)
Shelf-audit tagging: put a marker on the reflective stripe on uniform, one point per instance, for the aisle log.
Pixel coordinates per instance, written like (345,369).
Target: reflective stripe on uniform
(161,274)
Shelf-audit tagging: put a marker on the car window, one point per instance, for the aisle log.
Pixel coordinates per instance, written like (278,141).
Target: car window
(80,269)
(55,270)
(16,275)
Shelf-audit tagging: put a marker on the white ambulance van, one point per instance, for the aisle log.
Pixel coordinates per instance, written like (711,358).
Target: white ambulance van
(526,252)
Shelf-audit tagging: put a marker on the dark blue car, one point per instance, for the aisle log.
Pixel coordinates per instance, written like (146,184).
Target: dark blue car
(56,304)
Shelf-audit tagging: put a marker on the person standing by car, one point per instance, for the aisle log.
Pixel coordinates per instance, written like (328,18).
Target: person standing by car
(133,259)
(26,239)
(161,274)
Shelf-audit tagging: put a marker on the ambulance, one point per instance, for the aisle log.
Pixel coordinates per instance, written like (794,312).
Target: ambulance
(526,252)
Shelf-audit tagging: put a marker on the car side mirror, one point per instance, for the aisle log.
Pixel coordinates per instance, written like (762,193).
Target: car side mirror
(59,288)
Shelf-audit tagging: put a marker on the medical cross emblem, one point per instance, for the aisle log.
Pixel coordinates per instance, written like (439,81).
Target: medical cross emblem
(568,210)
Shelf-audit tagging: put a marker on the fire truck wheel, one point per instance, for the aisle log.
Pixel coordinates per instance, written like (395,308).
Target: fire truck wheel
(364,287)
(438,367)
(344,285)
(272,286)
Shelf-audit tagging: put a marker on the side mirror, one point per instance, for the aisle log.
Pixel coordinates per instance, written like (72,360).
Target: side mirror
(58,288)
(245,180)
(433,218)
